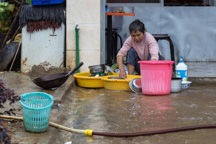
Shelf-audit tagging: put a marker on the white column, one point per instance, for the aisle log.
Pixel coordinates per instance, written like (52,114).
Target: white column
(87,14)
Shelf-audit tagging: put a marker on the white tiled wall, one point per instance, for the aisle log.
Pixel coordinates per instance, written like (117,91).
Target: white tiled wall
(87,14)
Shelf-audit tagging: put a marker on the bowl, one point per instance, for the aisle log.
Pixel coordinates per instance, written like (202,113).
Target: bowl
(185,84)
(135,85)
(118,84)
(176,84)
(97,69)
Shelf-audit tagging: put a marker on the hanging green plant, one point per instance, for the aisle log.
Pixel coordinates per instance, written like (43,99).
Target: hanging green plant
(29,1)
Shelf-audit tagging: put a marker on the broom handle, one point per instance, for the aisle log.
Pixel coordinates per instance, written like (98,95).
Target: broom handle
(15,56)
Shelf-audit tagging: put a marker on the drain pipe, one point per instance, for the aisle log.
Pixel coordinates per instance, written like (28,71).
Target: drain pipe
(77,28)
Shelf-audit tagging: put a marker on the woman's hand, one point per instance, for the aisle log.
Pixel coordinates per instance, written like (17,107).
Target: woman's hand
(122,74)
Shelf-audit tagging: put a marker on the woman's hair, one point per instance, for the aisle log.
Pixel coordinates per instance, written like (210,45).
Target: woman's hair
(137,25)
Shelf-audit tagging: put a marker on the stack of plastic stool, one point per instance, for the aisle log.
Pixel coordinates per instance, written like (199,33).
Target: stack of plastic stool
(115,37)
(167,37)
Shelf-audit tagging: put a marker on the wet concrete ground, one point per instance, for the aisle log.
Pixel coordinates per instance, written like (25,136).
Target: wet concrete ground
(126,112)
(120,112)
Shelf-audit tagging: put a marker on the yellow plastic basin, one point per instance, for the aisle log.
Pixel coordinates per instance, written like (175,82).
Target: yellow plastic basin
(118,84)
(83,80)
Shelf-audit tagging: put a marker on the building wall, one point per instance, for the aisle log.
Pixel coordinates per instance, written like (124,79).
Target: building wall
(40,46)
(87,14)
(192,29)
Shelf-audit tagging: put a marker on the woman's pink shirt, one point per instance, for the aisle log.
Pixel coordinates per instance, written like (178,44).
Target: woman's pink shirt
(148,45)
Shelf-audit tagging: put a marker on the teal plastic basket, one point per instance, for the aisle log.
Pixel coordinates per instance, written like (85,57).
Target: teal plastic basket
(36,110)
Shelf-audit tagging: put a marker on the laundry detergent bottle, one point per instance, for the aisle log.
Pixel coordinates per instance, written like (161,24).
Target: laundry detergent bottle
(181,70)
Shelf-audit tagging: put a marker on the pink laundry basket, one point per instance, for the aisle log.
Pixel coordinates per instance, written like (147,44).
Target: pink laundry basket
(156,77)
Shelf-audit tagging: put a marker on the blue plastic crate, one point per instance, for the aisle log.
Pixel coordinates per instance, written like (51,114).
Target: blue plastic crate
(46,2)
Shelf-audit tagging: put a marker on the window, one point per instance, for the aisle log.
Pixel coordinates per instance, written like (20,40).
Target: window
(133,1)
(169,2)
(188,2)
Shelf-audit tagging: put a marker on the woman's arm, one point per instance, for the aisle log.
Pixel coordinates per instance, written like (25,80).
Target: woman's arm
(122,72)
(153,48)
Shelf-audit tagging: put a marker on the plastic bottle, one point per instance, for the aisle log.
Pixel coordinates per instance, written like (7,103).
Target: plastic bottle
(181,70)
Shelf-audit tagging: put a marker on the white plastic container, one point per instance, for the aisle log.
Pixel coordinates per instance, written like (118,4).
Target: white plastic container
(182,70)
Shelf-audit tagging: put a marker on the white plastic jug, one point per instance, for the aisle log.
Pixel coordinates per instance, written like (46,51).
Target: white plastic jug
(181,70)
